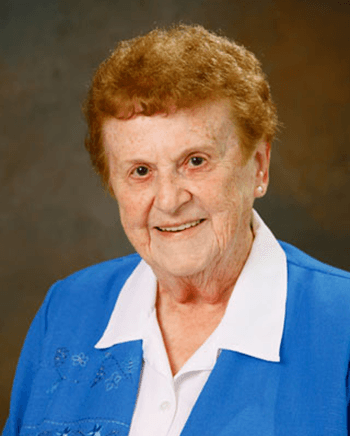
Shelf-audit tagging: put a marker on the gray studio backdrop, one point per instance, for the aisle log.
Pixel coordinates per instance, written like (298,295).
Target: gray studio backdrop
(56,219)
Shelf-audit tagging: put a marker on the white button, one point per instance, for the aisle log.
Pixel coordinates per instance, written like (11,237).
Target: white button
(165,405)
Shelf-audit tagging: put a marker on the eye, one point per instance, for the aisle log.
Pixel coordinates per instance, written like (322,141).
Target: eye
(196,161)
(141,171)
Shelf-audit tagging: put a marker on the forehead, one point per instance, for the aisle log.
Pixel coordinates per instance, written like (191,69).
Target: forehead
(209,123)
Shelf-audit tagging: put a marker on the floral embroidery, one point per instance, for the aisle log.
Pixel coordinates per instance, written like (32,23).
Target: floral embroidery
(60,359)
(129,367)
(53,387)
(111,371)
(113,381)
(61,356)
(80,359)
(66,431)
(100,375)
(79,428)
(95,431)
(106,366)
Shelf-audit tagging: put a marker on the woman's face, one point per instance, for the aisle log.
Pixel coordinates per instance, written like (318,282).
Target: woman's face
(185,194)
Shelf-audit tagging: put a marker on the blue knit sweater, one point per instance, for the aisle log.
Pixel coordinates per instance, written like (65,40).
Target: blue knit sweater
(64,386)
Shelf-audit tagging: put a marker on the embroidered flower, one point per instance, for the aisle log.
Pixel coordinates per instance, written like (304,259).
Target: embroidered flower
(101,373)
(129,367)
(113,381)
(80,359)
(95,431)
(66,431)
(61,356)
(53,387)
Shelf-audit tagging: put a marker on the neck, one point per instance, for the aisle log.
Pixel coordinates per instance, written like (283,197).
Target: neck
(212,286)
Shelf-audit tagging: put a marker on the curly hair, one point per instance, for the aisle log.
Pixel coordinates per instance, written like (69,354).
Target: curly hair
(179,67)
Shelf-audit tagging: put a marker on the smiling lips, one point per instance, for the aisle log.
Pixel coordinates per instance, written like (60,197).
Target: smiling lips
(181,227)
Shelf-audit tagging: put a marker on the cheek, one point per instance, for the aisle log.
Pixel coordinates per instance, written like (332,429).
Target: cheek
(222,196)
(133,211)
(134,221)
(230,209)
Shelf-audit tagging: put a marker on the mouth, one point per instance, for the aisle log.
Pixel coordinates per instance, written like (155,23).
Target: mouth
(181,227)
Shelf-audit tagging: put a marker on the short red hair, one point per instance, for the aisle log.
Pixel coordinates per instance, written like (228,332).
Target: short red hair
(178,67)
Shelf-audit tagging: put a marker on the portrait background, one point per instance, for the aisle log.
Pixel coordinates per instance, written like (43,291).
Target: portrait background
(56,219)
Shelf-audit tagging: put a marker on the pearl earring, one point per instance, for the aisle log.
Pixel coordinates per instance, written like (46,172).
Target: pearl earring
(260,189)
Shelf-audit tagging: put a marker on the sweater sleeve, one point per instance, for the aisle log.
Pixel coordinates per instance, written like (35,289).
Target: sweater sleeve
(27,368)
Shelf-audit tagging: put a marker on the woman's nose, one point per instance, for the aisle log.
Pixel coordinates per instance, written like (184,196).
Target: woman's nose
(170,194)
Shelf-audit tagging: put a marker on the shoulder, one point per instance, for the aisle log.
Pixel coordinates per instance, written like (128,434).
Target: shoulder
(97,281)
(317,289)
(300,260)
(85,300)
(100,276)
(316,335)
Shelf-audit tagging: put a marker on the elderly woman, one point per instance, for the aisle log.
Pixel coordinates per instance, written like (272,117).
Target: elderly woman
(214,327)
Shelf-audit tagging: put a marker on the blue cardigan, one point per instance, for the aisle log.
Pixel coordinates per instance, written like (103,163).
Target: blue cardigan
(64,386)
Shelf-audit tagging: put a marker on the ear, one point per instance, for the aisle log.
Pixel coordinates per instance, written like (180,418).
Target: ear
(262,164)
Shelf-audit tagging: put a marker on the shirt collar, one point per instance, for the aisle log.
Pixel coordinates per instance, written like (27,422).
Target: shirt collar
(133,309)
(254,318)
